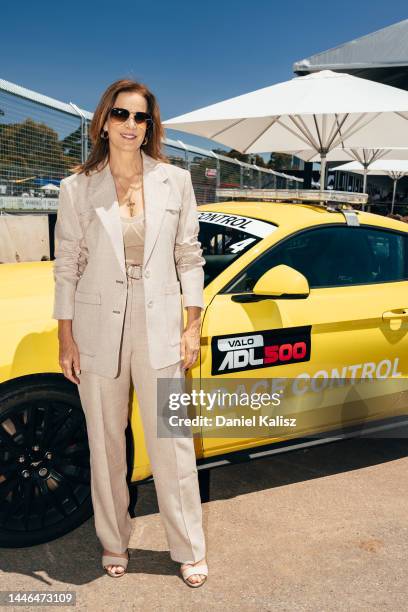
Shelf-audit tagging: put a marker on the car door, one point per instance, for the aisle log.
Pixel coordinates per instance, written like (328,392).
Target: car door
(352,325)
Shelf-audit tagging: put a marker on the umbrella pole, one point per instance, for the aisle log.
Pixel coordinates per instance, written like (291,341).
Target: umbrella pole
(393,195)
(365,179)
(364,183)
(322,171)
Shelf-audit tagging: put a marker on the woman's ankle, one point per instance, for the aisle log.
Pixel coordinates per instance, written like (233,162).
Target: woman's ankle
(203,560)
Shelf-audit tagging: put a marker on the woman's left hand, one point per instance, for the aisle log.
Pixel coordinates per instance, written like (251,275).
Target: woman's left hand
(190,345)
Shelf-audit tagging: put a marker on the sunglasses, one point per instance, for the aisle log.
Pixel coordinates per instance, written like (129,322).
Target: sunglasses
(120,115)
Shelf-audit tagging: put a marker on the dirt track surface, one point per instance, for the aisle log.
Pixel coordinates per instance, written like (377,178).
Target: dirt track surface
(319,529)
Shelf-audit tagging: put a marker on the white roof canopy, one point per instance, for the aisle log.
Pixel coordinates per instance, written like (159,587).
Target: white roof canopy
(386,48)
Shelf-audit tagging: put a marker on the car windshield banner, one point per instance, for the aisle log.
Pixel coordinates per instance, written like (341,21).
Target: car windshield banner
(255,227)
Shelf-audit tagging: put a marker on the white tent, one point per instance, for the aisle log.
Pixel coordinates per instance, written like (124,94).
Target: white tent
(394,168)
(320,112)
(50,187)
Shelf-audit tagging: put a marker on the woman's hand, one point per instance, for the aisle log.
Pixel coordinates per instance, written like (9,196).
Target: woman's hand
(68,352)
(190,345)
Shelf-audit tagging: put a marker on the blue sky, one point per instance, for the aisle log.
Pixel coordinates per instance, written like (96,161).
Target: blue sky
(190,54)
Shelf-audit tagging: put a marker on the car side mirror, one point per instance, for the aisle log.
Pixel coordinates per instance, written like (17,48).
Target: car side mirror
(282,282)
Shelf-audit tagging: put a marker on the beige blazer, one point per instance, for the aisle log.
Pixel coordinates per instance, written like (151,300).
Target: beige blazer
(89,266)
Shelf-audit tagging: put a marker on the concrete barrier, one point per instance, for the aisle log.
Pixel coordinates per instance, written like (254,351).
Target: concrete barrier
(24,238)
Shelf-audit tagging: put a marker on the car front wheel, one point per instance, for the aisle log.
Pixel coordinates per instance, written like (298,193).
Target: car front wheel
(44,462)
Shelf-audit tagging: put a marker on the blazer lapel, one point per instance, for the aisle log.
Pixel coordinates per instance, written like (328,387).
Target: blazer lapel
(104,199)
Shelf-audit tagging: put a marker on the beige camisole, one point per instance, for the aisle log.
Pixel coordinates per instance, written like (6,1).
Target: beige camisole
(133,236)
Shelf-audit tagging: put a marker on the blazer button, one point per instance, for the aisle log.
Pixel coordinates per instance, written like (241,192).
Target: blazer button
(120,281)
(150,303)
(147,273)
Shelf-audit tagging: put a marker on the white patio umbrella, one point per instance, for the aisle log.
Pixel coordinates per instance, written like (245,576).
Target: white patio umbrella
(320,112)
(394,168)
(364,156)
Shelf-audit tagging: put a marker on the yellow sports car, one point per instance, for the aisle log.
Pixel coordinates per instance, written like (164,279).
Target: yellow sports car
(300,291)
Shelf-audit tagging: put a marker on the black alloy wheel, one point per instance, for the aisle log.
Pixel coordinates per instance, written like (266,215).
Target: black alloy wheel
(44,461)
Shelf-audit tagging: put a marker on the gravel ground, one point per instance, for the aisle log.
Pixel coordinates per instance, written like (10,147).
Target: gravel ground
(324,528)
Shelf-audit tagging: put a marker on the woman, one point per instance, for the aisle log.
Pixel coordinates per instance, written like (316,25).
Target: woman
(126,231)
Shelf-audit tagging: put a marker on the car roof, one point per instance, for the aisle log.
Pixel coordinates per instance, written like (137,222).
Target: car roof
(297,215)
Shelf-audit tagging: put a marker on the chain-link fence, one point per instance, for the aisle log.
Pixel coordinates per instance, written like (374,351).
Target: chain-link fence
(41,138)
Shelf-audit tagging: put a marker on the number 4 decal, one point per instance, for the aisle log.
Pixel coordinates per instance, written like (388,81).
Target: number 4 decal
(238,246)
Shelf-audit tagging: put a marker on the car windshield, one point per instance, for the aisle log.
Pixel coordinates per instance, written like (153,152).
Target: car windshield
(224,237)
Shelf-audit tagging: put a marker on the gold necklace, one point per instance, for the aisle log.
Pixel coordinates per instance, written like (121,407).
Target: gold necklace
(132,189)
(130,200)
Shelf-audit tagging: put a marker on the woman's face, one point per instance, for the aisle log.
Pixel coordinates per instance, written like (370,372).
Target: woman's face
(133,102)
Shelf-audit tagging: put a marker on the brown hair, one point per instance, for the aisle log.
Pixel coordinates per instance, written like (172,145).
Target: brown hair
(100,146)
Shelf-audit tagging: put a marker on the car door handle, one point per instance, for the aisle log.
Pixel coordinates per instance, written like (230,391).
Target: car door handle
(397,313)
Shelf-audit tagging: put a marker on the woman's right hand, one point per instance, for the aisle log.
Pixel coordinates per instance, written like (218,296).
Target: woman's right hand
(68,352)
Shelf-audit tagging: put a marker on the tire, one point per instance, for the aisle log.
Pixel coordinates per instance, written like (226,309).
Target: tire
(45,488)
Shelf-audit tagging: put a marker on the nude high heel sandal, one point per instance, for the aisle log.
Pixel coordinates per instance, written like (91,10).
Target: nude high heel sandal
(195,569)
(114,560)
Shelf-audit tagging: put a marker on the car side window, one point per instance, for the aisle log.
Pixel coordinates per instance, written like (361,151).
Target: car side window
(335,256)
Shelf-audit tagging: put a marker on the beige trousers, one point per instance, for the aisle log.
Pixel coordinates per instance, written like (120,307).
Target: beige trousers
(106,403)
